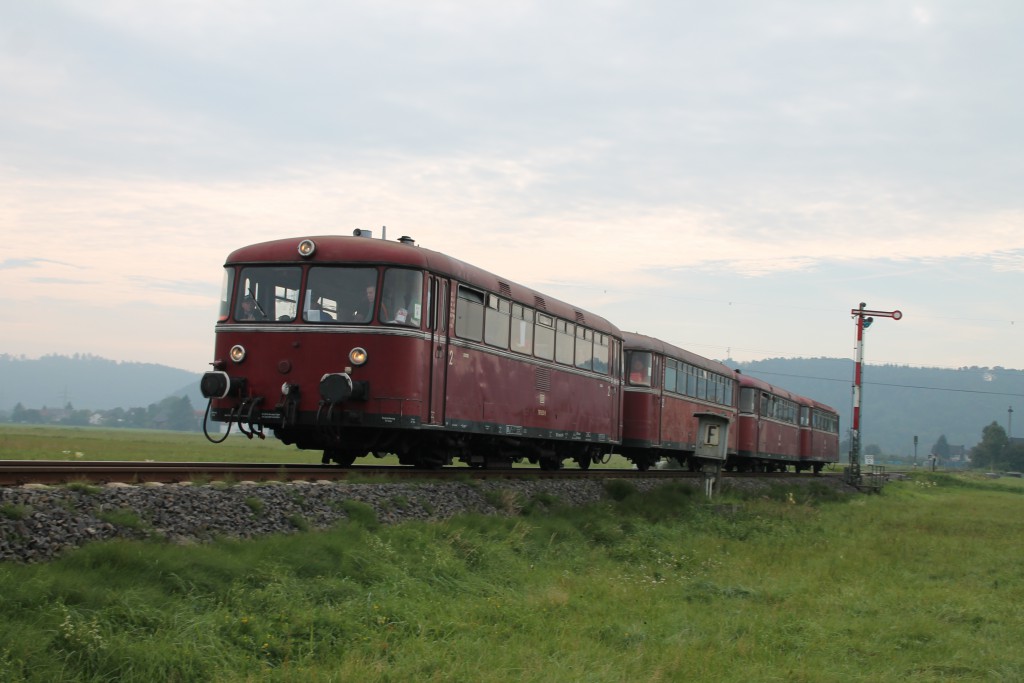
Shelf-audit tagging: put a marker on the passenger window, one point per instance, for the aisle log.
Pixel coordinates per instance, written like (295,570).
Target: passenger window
(747,399)
(469,314)
(601,353)
(496,321)
(544,337)
(670,375)
(584,348)
(522,329)
(564,342)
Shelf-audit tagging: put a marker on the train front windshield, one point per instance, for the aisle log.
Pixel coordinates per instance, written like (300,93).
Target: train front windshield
(333,294)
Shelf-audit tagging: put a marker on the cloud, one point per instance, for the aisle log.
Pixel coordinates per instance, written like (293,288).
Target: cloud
(606,149)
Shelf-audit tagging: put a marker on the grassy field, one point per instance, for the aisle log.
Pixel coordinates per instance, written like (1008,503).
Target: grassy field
(921,583)
(47,442)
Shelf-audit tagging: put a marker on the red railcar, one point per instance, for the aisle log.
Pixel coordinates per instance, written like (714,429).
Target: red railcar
(665,387)
(819,435)
(352,346)
(769,431)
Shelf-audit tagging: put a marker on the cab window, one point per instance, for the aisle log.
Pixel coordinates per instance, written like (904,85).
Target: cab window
(339,294)
(640,368)
(267,294)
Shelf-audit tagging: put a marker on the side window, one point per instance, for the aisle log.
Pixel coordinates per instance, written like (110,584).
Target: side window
(522,329)
(226,288)
(469,314)
(671,368)
(766,405)
(564,342)
(496,321)
(748,397)
(719,389)
(691,381)
(401,301)
(584,348)
(544,337)
(601,353)
(702,384)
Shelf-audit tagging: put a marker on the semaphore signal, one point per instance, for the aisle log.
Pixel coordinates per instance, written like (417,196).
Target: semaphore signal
(863,318)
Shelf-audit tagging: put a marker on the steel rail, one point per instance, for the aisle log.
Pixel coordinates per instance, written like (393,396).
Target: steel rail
(21,472)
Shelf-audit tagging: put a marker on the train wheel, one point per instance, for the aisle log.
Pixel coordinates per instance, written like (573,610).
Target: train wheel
(340,456)
(549,465)
(584,462)
(643,465)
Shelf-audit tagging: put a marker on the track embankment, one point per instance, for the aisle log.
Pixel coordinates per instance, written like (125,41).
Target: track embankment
(39,522)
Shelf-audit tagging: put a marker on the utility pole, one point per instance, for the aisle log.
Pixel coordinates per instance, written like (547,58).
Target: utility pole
(1009,423)
(863,320)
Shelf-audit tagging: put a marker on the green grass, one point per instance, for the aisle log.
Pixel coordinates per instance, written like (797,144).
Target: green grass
(921,583)
(49,442)
(33,442)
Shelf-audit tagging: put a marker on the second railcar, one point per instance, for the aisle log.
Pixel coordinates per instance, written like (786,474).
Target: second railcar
(665,388)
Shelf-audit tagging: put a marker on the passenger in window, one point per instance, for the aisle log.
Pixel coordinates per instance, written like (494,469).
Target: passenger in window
(317,312)
(363,311)
(638,371)
(249,310)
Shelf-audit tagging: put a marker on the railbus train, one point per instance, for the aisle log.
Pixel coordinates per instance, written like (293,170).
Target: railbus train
(355,346)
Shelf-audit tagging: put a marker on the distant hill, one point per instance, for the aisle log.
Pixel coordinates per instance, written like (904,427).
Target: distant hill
(898,401)
(90,382)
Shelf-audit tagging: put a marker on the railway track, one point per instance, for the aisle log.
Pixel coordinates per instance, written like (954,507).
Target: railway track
(21,472)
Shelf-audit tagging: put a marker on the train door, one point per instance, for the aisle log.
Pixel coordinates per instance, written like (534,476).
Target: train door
(615,382)
(438,363)
(657,383)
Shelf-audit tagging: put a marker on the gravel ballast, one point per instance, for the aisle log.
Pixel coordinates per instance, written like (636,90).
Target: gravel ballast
(39,523)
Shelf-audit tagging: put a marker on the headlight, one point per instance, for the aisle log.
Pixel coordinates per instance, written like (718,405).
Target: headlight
(307,248)
(357,356)
(237,353)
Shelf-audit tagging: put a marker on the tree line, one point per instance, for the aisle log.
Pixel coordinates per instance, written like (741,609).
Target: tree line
(172,413)
(997,452)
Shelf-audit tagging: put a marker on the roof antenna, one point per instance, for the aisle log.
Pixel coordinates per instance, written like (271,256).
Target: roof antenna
(383,232)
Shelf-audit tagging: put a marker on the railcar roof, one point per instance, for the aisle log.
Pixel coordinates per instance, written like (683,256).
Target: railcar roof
(748,381)
(641,342)
(337,249)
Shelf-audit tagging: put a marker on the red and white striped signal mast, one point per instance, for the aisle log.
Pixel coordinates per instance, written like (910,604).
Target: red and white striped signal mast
(864,319)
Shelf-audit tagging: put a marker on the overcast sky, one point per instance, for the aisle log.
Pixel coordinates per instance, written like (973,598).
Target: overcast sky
(733,177)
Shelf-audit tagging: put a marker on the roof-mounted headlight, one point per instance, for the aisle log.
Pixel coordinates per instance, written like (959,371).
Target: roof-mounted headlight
(357,356)
(307,248)
(237,353)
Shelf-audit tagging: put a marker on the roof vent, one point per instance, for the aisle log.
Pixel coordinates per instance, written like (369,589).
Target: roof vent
(405,239)
(359,232)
